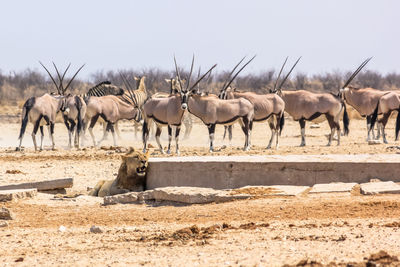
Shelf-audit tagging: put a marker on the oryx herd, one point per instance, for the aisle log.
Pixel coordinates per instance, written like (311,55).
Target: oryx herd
(111,104)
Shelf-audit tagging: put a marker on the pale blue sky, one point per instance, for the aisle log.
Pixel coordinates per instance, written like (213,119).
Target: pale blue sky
(122,34)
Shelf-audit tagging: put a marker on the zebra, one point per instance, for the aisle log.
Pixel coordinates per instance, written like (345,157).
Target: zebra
(139,94)
(102,89)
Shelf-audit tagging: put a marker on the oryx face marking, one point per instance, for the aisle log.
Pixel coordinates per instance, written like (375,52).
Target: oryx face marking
(184,100)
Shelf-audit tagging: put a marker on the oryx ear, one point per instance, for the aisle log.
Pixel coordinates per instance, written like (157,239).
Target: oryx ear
(168,80)
(136,78)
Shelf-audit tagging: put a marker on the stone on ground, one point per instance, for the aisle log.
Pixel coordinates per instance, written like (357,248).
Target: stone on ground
(332,188)
(5,214)
(42,185)
(95,229)
(374,142)
(10,195)
(3,224)
(131,197)
(380,188)
(194,195)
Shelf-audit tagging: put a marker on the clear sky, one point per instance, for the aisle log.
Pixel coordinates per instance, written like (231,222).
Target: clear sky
(119,34)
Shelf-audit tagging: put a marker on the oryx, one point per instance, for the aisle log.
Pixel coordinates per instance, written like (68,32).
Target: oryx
(212,111)
(112,109)
(167,111)
(364,100)
(386,104)
(74,109)
(43,110)
(306,106)
(266,107)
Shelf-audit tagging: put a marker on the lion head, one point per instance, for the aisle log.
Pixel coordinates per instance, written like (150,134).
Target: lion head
(132,173)
(136,162)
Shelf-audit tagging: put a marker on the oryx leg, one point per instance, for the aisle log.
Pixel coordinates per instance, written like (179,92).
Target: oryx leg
(41,137)
(383,122)
(92,123)
(302,123)
(370,129)
(145,134)
(169,139)
(272,127)
(332,125)
(71,132)
(245,124)
(52,135)
(187,121)
(35,129)
(177,131)
(110,127)
(116,128)
(211,131)
(158,133)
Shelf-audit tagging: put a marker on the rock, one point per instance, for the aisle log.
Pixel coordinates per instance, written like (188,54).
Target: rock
(3,224)
(95,229)
(380,188)
(332,188)
(374,142)
(10,195)
(194,195)
(62,229)
(315,126)
(42,185)
(131,197)
(5,214)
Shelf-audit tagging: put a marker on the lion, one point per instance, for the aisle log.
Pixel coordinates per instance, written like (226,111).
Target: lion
(131,176)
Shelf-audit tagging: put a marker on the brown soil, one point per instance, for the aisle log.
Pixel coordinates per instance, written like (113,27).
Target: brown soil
(266,231)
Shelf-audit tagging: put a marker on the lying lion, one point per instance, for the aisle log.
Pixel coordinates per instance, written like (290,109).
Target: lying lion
(131,176)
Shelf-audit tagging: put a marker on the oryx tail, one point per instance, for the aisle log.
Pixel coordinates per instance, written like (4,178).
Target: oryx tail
(346,120)
(25,112)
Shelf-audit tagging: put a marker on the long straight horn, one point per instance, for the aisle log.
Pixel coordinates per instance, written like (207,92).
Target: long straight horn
(202,77)
(65,72)
(237,73)
(178,74)
(280,72)
(190,74)
(73,77)
(356,72)
(48,72)
(287,75)
(230,74)
(59,77)
(128,87)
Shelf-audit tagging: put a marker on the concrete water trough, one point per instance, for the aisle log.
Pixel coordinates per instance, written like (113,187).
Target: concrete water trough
(223,172)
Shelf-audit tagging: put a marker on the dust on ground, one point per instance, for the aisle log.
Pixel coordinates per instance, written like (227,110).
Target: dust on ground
(266,231)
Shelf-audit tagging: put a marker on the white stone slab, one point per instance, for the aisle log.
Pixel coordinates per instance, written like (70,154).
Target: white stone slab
(11,195)
(194,195)
(332,188)
(380,188)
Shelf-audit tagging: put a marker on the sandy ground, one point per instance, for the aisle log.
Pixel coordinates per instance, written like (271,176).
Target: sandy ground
(264,231)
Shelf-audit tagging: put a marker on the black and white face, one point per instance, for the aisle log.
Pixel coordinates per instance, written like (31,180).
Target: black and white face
(184,99)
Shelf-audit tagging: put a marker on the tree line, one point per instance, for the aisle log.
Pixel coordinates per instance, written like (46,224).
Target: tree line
(18,86)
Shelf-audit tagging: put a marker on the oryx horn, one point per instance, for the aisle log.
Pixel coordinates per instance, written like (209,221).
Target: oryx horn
(287,75)
(230,74)
(356,72)
(280,72)
(237,73)
(48,72)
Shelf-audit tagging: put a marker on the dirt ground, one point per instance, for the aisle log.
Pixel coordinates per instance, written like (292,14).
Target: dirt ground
(264,231)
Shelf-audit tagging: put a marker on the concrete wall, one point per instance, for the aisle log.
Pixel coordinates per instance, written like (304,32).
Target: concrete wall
(222,172)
